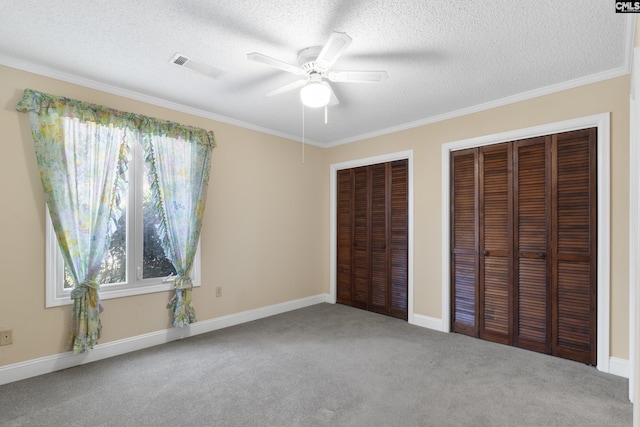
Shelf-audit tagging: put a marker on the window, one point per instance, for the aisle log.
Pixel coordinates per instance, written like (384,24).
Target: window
(135,263)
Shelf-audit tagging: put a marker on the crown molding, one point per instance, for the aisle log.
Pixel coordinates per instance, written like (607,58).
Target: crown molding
(624,69)
(30,67)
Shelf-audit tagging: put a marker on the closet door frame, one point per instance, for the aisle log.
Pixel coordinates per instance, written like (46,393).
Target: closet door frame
(333,171)
(602,123)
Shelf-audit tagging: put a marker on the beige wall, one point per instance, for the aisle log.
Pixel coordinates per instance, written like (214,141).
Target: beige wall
(609,96)
(262,235)
(266,228)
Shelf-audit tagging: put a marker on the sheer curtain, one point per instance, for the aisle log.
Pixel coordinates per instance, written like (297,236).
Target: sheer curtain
(82,156)
(178,160)
(82,151)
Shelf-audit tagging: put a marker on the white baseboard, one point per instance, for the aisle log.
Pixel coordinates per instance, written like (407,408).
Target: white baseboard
(428,322)
(44,365)
(619,367)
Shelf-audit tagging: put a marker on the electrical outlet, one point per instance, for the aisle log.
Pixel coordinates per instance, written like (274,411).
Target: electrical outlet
(218,291)
(6,337)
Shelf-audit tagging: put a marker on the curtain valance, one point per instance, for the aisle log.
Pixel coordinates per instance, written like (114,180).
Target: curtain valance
(52,105)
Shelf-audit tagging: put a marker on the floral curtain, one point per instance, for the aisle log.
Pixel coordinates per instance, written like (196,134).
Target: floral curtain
(82,151)
(178,162)
(83,159)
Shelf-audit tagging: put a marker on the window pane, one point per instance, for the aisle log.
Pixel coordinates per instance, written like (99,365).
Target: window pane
(155,263)
(113,268)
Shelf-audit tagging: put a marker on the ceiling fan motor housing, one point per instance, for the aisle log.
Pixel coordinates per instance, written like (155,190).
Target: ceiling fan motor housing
(307,59)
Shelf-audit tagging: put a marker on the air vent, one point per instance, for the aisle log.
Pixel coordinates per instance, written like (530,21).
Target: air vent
(200,67)
(179,59)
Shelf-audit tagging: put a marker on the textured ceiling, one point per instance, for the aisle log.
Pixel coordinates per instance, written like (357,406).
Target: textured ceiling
(442,57)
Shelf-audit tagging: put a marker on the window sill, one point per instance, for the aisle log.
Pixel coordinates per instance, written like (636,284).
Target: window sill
(115,291)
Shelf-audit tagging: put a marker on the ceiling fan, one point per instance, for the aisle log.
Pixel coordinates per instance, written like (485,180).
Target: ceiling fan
(314,63)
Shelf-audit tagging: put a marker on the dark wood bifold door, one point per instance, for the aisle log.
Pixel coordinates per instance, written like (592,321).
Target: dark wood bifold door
(372,238)
(523,244)
(495,237)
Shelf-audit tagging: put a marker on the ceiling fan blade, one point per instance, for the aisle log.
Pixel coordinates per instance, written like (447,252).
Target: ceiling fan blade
(272,62)
(337,43)
(287,88)
(357,76)
(334,99)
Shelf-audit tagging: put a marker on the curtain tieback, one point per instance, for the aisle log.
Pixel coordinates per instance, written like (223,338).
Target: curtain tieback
(84,289)
(81,289)
(182,282)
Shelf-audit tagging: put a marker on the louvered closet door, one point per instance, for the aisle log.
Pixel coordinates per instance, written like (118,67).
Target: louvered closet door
(344,236)
(361,226)
(399,239)
(495,242)
(529,207)
(574,285)
(379,301)
(372,238)
(532,205)
(464,241)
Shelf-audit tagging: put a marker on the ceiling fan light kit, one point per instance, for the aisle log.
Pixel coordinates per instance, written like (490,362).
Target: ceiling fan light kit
(316,93)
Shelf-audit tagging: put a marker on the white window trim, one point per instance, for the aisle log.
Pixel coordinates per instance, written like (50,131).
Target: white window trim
(56,295)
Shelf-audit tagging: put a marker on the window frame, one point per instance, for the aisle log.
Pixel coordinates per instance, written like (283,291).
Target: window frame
(57,295)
